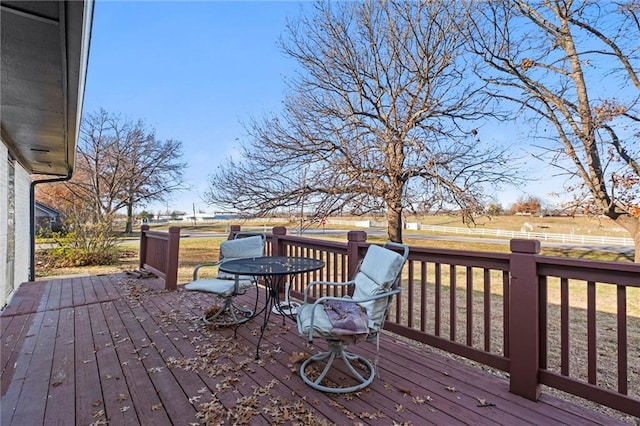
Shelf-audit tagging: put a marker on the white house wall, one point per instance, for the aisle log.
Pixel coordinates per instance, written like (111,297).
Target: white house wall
(22,224)
(4,153)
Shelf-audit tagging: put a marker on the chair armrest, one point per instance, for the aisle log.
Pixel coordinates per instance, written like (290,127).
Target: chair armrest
(366,299)
(327,283)
(202,265)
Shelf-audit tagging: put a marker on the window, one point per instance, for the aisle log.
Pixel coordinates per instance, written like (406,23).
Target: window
(11,225)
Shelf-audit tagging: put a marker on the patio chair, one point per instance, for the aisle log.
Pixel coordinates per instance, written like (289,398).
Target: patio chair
(344,320)
(227,286)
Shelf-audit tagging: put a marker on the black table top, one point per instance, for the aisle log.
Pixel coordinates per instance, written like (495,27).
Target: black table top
(271,265)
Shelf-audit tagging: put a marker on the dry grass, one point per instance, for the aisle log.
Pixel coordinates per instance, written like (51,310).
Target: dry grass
(558,225)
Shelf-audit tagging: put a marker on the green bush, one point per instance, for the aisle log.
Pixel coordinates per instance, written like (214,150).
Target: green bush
(86,244)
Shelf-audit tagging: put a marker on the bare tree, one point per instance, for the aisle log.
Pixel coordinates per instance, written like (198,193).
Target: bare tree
(120,164)
(572,68)
(529,205)
(380,119)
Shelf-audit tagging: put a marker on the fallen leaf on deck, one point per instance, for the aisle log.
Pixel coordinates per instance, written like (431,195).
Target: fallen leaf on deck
(420,400)
(298,357)
(451,389)
(483,403)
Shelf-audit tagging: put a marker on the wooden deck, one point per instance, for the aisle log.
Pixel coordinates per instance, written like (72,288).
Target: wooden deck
(117,350)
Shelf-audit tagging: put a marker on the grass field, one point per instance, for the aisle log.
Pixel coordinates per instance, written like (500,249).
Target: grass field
(560,225)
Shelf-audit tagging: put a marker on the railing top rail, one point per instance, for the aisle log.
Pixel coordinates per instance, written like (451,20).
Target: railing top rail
(590,270)
(314,242)
(491,260)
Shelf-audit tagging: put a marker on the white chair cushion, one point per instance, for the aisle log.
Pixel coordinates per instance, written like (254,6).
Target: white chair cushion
(321,323)
(239,249)
(377,273)
(382,265)
(222,287)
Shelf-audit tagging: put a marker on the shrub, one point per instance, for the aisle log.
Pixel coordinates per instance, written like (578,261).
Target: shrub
(89,240)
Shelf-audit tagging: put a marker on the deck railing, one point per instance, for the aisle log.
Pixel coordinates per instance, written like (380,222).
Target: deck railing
(601,328)
(159,254)
(520,312)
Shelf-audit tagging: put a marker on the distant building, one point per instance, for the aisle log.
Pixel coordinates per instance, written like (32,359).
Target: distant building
(47,218)
(208,217)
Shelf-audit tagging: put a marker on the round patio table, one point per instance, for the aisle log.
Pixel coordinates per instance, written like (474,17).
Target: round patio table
(274,270)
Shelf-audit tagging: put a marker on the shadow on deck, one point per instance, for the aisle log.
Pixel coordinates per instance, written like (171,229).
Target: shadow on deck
(113,349)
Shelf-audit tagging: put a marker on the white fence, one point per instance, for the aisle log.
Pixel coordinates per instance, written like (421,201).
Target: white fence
(543,236)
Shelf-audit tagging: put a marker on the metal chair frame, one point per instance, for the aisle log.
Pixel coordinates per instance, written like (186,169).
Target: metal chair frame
(337,347)
(236,314)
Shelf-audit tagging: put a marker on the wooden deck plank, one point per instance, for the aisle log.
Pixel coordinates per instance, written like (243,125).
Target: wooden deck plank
(33,395)
(248,380)
(13,329)
(17,370)
(27,300)
(66,294)
(89,290)
(142,393)
(372,401)
(99,288)
(183,324)
(129,343)
(250,331)
(86,367)
(536,412)
(115,391)
(370,404)
(378,397)
(77,291)
(52,300)
(61,398)
(169,392)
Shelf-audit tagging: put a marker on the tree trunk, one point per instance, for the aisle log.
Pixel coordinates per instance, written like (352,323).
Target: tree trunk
(128,229)
(631,224)
(394,223)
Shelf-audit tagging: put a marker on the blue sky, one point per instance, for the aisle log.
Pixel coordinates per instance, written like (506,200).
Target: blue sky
(195,71)
(192,70)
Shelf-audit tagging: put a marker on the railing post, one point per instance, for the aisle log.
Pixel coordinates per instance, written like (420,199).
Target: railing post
(354,238)
(143,245)
(277,249)
(524,331)
(233,229)
(173,248)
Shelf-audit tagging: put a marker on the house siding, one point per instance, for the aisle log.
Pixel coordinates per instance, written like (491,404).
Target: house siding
(4,158)
(23,226)
(22,247)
